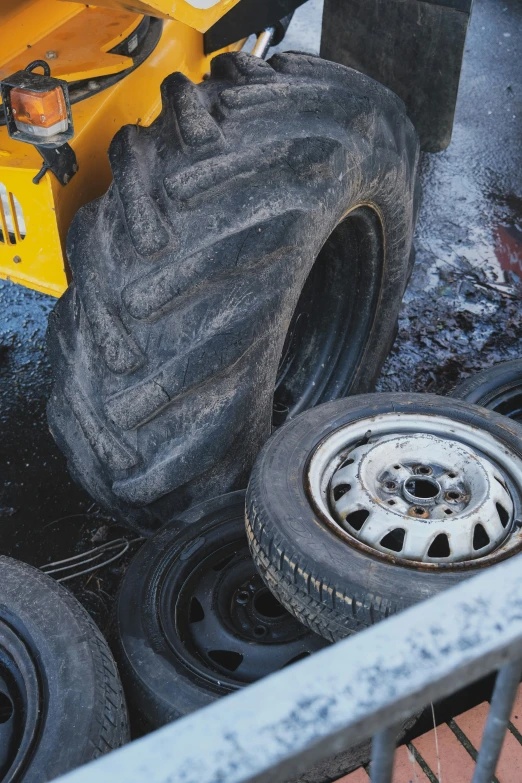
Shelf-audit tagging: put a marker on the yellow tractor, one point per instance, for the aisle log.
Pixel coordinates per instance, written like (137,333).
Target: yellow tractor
(113,61)
(230,237)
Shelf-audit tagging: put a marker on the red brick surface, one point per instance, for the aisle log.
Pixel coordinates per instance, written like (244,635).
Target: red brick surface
(516,715)
(456,762)
(454,758)
(509,768)
(359,776)
(406,769)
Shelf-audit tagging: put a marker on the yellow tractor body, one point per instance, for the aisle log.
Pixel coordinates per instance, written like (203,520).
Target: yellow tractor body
(83,44)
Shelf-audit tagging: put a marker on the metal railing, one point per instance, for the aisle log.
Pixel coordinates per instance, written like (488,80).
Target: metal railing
(362,687)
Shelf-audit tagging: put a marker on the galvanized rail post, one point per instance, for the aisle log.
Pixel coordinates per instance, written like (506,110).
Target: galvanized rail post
(508,680)
(383,755)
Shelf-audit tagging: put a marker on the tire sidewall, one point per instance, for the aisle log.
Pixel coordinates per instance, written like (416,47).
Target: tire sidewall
(484,387)
(160,686)
(57,633)
(287,515)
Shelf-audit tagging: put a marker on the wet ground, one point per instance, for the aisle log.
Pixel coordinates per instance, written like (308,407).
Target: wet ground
(462,311)
(44,516)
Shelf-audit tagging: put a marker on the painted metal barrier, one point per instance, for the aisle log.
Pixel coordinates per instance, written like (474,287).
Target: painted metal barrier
(361,687)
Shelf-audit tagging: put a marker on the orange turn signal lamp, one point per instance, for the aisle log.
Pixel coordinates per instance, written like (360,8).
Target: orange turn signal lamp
(39,113)
(37,107)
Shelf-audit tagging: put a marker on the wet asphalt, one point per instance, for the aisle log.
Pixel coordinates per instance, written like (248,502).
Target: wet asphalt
(461,313)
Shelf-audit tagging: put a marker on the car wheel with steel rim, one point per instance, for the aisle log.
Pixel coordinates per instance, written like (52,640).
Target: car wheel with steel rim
(498,388)
(20,703)
(361,507)
(194,622)
(61,700)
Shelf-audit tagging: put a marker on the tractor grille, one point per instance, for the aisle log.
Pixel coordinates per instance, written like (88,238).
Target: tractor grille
(12,222)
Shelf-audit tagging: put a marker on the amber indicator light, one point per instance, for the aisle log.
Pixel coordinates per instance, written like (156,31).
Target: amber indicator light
(39,109)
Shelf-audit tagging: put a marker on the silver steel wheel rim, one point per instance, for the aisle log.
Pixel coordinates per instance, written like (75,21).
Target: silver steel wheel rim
(421,490)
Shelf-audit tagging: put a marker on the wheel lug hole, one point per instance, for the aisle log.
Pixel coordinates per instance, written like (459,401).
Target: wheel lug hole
(453,495)
(242,597)
(259,631)
(390,485)
(423,470)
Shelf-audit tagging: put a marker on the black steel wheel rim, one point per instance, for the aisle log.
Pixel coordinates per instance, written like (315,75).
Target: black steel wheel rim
(507,401)
(223,624)
(333,318)
(20,705)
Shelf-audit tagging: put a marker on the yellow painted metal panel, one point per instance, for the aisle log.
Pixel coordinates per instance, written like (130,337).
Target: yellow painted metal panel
(199,14)
(24,22)
(79,44)
(35,261)
(48,207)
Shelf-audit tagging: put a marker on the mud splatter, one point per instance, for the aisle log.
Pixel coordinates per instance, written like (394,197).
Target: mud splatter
(462,311)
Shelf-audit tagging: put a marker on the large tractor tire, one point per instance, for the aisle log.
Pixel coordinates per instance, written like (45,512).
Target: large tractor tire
(248,262)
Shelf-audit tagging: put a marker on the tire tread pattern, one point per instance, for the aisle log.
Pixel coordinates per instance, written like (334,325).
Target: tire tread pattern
(187,271)
(109,726)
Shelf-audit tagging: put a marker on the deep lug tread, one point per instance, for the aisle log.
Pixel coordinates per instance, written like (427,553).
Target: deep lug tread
(242,69)
(307,157)
(154,295)
(103,442)
(142,217)
(116,346)
(173,466)
(118,349)
(278,96)
(63,348)
(199,133)
(214,355)
(176,359)
(309,66)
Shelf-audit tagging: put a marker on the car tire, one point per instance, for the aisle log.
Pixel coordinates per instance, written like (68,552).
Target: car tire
(498,388)
(61,700)
(319,567)
(167,670)
(193,571)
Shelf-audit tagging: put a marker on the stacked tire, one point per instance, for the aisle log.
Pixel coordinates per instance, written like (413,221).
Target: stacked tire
(61,699)
(194,622)
(498,388)
(244,273)
(363,507)
(254,268)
